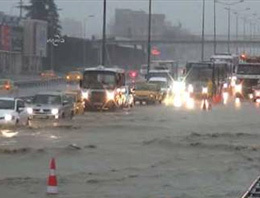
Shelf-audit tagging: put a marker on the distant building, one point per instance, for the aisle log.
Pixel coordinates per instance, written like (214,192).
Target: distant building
(22,45)
(72,28)
(35,44)
(134,24)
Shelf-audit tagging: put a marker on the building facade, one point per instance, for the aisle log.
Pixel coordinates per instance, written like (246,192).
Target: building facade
(22,45)
(134,24)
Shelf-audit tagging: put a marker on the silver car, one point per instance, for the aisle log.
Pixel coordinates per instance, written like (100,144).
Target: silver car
(50,105)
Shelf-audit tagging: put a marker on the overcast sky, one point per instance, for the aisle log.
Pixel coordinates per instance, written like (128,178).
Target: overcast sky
(188,12)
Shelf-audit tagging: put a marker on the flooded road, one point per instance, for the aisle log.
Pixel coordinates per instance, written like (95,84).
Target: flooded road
(148,151)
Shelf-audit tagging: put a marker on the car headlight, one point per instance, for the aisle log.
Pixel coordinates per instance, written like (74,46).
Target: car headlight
(190,88)
(85,95)
(225,85)
(8,117)
(54,111)
(29,110)
(257,93)
(110,95)
(204,90)
(238,88)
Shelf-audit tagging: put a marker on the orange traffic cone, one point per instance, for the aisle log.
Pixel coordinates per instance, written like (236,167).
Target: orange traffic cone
(52,180)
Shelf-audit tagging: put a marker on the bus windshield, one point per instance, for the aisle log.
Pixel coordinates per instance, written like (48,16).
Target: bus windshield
(249,69)
(199,72)
(99,80)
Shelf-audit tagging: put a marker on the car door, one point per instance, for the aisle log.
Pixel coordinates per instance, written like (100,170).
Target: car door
(20,108)
(66,105)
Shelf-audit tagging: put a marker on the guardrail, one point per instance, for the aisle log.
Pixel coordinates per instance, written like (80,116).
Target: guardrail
(39,83)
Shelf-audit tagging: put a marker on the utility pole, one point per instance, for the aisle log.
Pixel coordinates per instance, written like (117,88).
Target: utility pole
(203,31)
(149,38)
(103,59)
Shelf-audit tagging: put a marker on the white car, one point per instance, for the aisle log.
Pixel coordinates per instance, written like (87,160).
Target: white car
(50,105)
(13,112)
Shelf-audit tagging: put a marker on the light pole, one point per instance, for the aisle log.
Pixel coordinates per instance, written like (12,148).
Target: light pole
(236,12)
(229,17)
(103,58)
(215,29)
(203,31)
(149,38)
(21,9)
(84,38)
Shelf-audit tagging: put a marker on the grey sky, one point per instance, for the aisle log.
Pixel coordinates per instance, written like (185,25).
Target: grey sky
(188,12)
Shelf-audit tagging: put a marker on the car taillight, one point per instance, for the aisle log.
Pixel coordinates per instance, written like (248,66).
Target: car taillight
(7,87)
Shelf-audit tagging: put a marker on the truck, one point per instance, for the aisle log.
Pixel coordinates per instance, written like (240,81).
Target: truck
(247,80)
(103,88)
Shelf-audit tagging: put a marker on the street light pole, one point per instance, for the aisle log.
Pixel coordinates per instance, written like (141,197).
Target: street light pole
(203,31)
(236,12)
(236,31)
(84,38)
(229,18)
(21,9)
(103,59)
(229,29)
(215,29)
(149,38)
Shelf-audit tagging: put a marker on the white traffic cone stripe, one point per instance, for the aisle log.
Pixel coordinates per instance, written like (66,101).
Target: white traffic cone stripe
(52,172)
(52,189)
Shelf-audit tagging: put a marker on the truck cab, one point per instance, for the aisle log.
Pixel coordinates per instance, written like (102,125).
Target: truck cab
(101,87)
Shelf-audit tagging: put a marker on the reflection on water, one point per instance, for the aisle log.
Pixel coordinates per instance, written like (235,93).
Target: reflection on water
(8,133)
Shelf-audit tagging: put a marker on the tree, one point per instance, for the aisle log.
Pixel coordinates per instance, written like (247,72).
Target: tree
(45,10)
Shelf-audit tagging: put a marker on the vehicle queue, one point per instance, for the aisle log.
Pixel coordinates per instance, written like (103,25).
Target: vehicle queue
(106,89)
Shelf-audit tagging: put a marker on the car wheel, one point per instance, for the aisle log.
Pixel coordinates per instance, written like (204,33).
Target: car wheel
(71,114)
(27,122)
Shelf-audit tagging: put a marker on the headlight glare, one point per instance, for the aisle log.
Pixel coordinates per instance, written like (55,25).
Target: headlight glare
(110,95)
(8,117)
(54,111)
(29,110)
(204,90)
(238,88)
(190,88)
(85,95)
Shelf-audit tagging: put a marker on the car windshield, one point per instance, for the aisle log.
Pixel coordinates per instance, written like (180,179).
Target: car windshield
(7,104)
(72,97)
(47,99)
(161,84)
(146,87)
(99,80)
(249,69)
(202,74)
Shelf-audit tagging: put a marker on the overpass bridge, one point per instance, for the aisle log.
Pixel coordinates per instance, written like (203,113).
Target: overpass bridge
(221,39)
(189,47)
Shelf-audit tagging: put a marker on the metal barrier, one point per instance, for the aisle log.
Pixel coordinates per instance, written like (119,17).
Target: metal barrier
(39,83)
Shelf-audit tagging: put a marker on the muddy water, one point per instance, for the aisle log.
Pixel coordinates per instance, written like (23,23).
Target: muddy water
(153,151)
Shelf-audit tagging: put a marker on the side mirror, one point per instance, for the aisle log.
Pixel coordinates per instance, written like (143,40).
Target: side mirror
(80,83)
(65,102)
(29,101)
(20,109)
